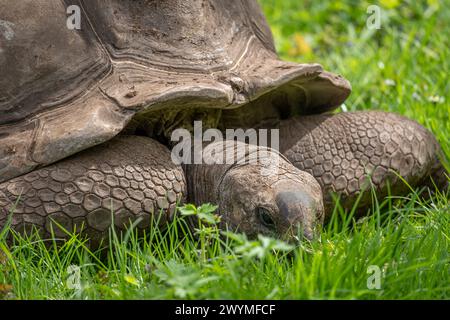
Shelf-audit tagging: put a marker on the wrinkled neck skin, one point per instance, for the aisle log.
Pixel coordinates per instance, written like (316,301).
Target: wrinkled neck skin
(205,179)
(209,181)
(203,182)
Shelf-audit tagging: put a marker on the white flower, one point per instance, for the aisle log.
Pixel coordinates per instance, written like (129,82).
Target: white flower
(436,99)
(416,96)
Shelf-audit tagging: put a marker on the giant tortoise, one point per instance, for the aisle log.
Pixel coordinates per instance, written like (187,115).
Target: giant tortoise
(87,117)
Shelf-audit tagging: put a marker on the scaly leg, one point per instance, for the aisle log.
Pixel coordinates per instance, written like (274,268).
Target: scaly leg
(341,151)
(131,176)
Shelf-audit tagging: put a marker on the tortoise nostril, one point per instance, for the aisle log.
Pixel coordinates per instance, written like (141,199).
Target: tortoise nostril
(299,213)
(295,204)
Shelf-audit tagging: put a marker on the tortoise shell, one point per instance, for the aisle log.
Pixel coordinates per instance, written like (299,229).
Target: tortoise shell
(63,90)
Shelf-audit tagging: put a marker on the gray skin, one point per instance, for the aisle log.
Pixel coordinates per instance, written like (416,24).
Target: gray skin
(82,111)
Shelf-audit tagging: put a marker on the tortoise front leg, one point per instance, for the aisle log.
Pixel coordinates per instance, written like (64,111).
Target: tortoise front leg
(129,176)
(346,151)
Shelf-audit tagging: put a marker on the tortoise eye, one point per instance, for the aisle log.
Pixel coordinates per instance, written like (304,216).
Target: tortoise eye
(265,217)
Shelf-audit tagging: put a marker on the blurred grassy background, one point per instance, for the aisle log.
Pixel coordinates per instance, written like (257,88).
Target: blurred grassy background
(402,67)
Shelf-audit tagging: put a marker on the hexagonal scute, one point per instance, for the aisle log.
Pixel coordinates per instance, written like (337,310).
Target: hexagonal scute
(133,205)
(112,180)
(43,173)
(327,178)
(136,195)
(69,188)
(77,197)
(124,182)
(32,176)
(105,168)
(84,184)
(95,175)
(52,207)
(92,202)
(318,171)
(33,202)
(353,186)
(61,198)
(46,195)
(134,185)
(102,190)
(119,193)
(100,219)
(340,183)
(73,210)
(59,224)
(119,172)
(61,175)
(112,204)
(149,206)
(137,176)
(162,202)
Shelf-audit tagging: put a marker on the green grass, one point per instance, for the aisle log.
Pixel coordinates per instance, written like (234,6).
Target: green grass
(401,68)
(406,238)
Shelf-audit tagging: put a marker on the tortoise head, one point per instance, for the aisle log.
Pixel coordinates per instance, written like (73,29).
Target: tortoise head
(286,205)
(274,199)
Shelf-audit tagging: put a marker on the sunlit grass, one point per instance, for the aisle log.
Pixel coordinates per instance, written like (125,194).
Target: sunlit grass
(407,239)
